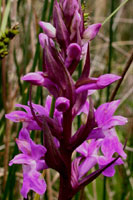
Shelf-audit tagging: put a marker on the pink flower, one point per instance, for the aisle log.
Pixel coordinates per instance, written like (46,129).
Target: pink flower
(32,159)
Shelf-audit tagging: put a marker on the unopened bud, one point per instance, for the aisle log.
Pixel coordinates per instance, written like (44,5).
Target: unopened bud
(48,29)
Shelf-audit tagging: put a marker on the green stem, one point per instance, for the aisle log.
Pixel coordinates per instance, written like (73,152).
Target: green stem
(50,10)
(52,107)
(110,48)
(109,71)
(114,12)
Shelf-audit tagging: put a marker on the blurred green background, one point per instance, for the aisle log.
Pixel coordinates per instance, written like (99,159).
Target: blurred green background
(110,52)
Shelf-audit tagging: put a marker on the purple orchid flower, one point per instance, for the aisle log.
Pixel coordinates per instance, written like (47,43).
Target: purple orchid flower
(106,123)
(90,157)
(110,171)
(96,83)
(64,44)
(32,159)
(25,117)
(39,79)
(90,153)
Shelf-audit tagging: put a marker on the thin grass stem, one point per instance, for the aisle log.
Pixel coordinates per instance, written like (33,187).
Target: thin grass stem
(109,71)
(114,12)
(5,17)
(128,64)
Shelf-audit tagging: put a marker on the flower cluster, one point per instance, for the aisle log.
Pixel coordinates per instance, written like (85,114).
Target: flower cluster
(64,44)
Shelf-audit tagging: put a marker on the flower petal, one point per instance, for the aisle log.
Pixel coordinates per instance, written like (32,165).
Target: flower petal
(96,83)
(32,181)
(105,111)
(84,109)
(86,165)
(96,134)
(18,116)
(110,171)
(106,79)
(21,159)
(83,149)
(114,121)
(39,109)
(24,134)
(26,108)
(111,144)
(40,165)
(38,151)
(36,78)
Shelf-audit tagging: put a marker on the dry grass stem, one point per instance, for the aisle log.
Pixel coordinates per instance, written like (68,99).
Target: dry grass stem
(128,64)
(49,186)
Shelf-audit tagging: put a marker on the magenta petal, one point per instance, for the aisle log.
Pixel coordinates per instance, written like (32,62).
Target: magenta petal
(75,172)
(112,145)
(40,165)
(62,104)
(18,116)
(91,32)
(26,108)
(43,39)
(39,109)
(25,188)
(24,146)
(84,109)
(24,134)
(83,149)
(96,134)
(85,87)
(48,29)
(107,79)
(106,111)
(48,103)
(38,151)
(114,121)
(36,78)
(110,171)
(32,181)
(98,83)
(88,149)
(86,165)
(21,159)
